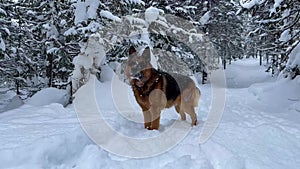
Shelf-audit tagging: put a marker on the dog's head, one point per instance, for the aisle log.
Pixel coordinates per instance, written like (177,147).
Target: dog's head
(138,68)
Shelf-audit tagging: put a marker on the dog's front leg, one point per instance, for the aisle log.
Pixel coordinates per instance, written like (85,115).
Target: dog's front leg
(147,119)
(158,102)
(155,115)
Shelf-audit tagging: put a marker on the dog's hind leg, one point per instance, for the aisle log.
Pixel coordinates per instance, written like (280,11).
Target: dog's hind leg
(191,111)
(179,111)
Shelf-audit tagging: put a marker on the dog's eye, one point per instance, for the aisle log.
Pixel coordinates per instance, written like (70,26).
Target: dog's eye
(140,75)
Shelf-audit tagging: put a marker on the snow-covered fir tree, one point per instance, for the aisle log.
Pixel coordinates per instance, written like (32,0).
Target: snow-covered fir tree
(275,31)
(53,32)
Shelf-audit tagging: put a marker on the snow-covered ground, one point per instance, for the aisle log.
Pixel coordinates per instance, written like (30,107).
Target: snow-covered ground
(260,129)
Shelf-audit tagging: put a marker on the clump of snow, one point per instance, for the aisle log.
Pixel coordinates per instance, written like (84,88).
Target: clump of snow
(93,27)
(2,44)
(52,31)
(285,36)
(294,57)
(80,12)
(205,18)
(152,14)
(6,30)
(195,37)
(30,12)
(85,10)
(286,13)
(109,15)
(94,50)
(106,73)
(83,61)
(63,22)
(135,2)
(48,96)
(250,3)
(181,9)
(88,61)
(52,50)
(71,31)
(134,20)
(2,11)
(92,6)
(153,61)
(276,5)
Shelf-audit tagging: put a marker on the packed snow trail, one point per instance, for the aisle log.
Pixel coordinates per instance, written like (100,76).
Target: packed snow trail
(260,129)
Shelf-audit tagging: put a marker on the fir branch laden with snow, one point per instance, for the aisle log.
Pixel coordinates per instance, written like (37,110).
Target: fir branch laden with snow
(88,62)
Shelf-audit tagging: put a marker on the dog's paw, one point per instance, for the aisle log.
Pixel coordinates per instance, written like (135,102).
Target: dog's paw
(147,125)
(194,123)
(152,128)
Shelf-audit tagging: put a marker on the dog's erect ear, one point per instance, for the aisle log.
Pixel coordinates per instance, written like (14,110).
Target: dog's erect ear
(147,54)
(132,50)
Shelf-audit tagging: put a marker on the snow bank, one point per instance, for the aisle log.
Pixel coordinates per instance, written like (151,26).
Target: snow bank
(244,73)
(260,130)
(48,96)
(9,100)
(41,137)
(283,94)
(13,103)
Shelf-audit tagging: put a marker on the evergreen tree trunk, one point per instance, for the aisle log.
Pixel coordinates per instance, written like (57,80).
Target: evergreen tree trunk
(273,64)
(204,77)
(49,71)
(224,62)
(18,87)
(260,58)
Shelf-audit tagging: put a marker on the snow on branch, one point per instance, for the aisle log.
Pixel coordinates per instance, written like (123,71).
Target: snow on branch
(88,62)
(2,44)
(109,15)
(2,11)
(85,10)
(250,3)
(140,2)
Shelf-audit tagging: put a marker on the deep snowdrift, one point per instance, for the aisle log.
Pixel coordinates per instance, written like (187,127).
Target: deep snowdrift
(260,129)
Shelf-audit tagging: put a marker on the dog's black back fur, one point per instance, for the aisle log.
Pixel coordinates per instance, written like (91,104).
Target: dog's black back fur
(172,88)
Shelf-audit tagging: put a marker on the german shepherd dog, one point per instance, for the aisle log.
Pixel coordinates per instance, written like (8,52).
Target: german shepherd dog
(155,90)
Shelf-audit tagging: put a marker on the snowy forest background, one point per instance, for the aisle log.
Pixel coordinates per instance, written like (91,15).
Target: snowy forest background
(39,39)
